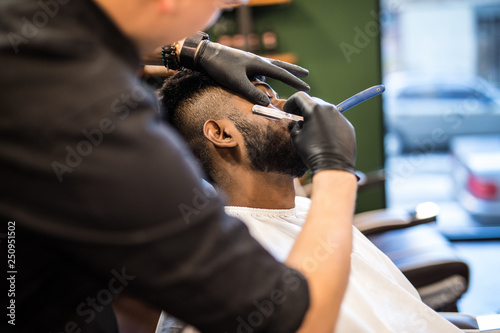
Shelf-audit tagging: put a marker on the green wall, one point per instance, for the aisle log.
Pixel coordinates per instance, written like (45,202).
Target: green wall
(338,42)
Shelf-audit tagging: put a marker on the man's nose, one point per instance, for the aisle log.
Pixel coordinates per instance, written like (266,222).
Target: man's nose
(280,103)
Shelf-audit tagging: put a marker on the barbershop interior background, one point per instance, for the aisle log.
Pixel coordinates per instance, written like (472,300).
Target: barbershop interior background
(434,135)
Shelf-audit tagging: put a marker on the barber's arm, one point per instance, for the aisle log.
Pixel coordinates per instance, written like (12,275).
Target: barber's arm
(230,67)
(326,143)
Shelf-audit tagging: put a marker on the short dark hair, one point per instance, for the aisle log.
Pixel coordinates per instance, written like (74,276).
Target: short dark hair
(187,99)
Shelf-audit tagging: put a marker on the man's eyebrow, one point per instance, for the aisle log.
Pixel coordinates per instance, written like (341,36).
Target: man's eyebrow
(267,86)
(260,83)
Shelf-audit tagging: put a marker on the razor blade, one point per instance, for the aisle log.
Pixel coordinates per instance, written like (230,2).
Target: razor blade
(360,97)
(274,113)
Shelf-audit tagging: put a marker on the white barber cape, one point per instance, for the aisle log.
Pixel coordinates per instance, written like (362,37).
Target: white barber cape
(379,298)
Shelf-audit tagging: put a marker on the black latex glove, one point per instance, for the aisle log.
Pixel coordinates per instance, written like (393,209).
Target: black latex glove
(232,67)
(325,140)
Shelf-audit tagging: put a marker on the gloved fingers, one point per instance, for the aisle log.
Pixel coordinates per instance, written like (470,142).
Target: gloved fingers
(266,68)
(253,94)
(300,104)
(294,69)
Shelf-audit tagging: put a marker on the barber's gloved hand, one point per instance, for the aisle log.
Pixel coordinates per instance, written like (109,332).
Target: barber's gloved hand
(231,68)
(325,140)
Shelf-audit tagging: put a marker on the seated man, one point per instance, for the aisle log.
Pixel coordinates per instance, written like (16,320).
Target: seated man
(253,161)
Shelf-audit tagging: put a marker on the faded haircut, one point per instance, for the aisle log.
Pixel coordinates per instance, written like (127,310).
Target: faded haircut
(187,100)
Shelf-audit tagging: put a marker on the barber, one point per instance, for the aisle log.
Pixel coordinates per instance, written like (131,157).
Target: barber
(106,200)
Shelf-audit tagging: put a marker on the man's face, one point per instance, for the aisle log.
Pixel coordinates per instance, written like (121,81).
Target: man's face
(268,142)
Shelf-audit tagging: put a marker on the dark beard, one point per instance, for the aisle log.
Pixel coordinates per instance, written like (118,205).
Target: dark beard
(270,150)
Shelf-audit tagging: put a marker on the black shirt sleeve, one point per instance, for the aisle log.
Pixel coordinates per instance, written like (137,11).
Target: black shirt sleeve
(107,199)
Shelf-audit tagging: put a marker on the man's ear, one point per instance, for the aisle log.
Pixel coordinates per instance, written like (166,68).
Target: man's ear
(217,132)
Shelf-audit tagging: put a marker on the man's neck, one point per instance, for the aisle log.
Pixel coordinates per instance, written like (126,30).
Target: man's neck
(260,190)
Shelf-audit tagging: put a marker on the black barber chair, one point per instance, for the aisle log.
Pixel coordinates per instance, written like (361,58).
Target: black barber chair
(423,255)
